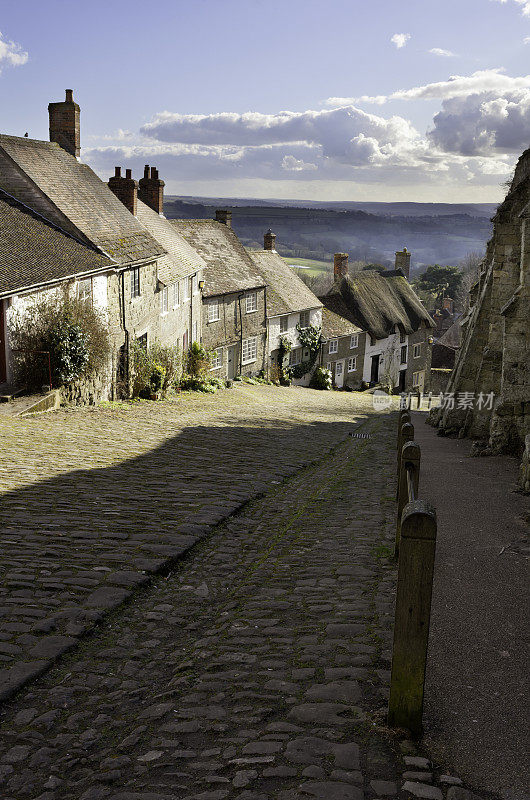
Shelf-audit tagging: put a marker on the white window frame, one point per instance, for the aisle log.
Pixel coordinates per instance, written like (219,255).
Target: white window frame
(213,311)
(284,323)
(217,358)
(194,284)
(333,346)
(403,350)
(354,341)
(295,356)
(136,288)
(251,302)
(416,379)
(186,294)
(164,300)
(249,350)
(176,295)
(84,290)
(416,350)
(352,363)
(304,315)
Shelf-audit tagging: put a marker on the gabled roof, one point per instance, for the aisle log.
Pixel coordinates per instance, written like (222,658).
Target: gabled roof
(34,252)
(48,179)
(229,267)
(336,318)
(453,336)
(180,259)
(287,292)
(377,302)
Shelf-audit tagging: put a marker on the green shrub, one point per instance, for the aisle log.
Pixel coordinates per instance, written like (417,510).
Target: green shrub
(154,368)
(321,379)
(198,361)
(72,331)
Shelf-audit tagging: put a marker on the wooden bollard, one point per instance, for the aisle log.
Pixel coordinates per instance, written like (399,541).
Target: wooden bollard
(413,611)
(406,435)
(419,400)
(405,420)
(410,454)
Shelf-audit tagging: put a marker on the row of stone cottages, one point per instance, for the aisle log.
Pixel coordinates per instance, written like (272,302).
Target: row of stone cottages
(180,281)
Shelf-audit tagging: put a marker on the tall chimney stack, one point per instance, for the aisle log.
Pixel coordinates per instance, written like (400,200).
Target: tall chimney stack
(151,189)
(125,189)
(340,265)
(224,215)
(65,126)
(269,241)
(403,262)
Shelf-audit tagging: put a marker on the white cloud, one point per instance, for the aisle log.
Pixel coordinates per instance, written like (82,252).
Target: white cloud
(526,40)
(400,39)
(524,4)
(485,80)
(439,51)
(11,53)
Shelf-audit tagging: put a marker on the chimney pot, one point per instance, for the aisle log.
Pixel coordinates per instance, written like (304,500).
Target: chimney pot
(117,172)
(128,173)
(224,215)
(146,171)
(69,95)
(340,265)
(125,189)
(151,189)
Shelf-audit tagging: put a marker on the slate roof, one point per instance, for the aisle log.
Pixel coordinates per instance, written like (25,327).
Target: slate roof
(335,321)
(377,302)
(453,336)
(287,292)
(229,267)
(33,251)
(180,259)
(70,194)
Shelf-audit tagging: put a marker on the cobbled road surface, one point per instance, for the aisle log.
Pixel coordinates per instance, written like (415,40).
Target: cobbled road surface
(254,665)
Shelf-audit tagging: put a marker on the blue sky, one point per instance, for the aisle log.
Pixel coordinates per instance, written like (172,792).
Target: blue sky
(424,100)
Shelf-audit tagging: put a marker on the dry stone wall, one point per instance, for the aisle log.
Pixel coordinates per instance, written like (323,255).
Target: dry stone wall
(494,357)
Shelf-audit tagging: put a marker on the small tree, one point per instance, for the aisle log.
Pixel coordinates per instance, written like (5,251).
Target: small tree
(438,280)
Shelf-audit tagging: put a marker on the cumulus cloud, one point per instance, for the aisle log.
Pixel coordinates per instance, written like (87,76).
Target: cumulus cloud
(11,53)
(526,40)
(484,80)
(400,39)
(439,51)
(524,4)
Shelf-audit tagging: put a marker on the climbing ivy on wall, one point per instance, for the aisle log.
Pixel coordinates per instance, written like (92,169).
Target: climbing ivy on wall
(309,338)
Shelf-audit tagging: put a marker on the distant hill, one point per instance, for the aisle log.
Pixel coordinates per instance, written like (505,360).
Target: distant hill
(434,232)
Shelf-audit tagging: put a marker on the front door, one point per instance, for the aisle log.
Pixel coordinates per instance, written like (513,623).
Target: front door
(374,373)
(339,374)
(3,359)
(402,377)
(231,363)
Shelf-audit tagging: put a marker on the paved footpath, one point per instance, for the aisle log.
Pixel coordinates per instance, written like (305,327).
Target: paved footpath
(256,666)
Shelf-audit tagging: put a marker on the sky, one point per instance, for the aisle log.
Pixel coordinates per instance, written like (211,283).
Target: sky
(365,100)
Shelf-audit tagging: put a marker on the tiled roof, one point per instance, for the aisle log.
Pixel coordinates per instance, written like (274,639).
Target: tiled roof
(287,292)
(229,267)
(377,302)
(334,321)
(181,259)
(33,251)
(54,183)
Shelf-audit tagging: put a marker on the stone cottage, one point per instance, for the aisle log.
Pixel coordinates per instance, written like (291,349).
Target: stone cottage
(490,382)
(398,341)
(291,307)
(233,295)
(119,222)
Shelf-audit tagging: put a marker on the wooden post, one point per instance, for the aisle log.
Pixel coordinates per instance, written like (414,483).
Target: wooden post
(429,401)
(413,610)
(404,420)
(419,400)
(407,435)
(410,455)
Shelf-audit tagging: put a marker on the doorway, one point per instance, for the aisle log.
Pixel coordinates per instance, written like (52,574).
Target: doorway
(374,372)
(402,380)
(231,363)
(339,374)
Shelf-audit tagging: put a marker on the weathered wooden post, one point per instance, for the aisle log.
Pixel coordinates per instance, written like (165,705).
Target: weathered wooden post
(410,460)
(407,435)
(403,420)
(429,401)
(419,399)
(413,610)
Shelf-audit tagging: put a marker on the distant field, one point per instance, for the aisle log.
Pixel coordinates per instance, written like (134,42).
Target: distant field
(310,265)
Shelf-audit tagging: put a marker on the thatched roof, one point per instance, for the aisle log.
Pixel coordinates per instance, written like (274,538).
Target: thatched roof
(377,302)
(336,318)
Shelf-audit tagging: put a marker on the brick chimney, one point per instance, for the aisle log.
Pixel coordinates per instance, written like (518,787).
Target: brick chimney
(269,241)
(449,304)
(125,189)
(224,215)
(64,124)
(403,262)
(340,265)
(151,189)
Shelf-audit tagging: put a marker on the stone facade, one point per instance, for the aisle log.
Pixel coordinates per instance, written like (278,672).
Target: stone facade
(345,374)
(494,358)
(233,327)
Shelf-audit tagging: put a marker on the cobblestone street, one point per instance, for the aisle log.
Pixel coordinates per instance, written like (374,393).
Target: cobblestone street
(255,666)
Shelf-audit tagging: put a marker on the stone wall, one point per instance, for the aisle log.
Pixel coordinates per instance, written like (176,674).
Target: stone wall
(494,357)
